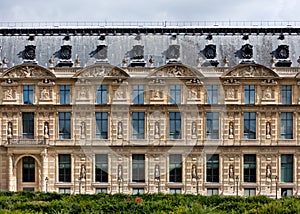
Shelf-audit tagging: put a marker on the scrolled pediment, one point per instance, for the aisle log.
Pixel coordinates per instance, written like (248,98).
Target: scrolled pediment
(101,71)
(28,71)
(250,71)
(175,70)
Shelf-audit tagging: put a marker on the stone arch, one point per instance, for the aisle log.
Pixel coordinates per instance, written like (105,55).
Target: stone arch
(250,71)
(28,71)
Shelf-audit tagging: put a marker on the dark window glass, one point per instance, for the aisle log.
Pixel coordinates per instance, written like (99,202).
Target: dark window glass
(101,125)
(175,168)
(101,168)
(101,94)
(212,94)
(138,94)
(250,168)
(249,94)
(64,164)
(175,94)
(28,169)
(286,125)
(138,125)
(28,94)
(138,168)
(64,94)
(212,168)
(175,125)
(250,125)
(212,125)
(28,124)
(286,94)
(64,125)
(287,168)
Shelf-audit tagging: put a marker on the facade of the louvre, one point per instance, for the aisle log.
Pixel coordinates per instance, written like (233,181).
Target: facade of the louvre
(131,109)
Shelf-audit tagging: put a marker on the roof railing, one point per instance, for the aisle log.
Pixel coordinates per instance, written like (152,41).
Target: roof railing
(151,24)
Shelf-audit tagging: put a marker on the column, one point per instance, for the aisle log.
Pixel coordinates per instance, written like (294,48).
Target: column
(11,174)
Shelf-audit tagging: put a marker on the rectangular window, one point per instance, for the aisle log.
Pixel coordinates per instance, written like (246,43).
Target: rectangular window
(28,169)
(101,125)
(101,94)
(64,94)
(250,168)
(175,125)
(138,125)
(175,168)
(64,164)
(212,125)
(28,94)
(286,192)
(212,94)
(138,191)
(64,191)
(286,125)
(286,94)
(64,125)
(175,190)
(101,168)
(212,168)
(138,94)
(287,168)
(101,190)
(250,125)
(249,192)
(28,124)
(212,191)
(249,94)
(175,94)
(138,168)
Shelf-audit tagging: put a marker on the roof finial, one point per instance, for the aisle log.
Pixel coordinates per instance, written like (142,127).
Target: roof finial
(273,60)
(151,61)
(77,61)
(226,61)
(5,62)
(124,61)
(51,62)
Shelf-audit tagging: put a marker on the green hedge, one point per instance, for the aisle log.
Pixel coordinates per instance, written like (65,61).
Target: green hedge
(39,202)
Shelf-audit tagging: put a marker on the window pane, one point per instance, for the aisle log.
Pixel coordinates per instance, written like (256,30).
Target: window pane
(101,94)
(28,169)
(28,124)
(138,168)
(101,168)
(249,125)
(212,168)
(102,125)
(175,94)
(138,125)
(28,94)
(212,94)
(286,125)
(175,168)
(64,94)
(249,94)
(138,94)
(287,168)
(286,94)
(212,125)
(249,168)
(64,125)
(175,125)
(64,162)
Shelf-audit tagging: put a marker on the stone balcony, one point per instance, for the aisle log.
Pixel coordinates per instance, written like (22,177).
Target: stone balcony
(20,140)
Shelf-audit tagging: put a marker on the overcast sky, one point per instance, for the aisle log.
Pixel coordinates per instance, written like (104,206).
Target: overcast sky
(151,10)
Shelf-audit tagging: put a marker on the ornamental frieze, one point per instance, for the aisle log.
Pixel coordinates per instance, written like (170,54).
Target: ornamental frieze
(28,71)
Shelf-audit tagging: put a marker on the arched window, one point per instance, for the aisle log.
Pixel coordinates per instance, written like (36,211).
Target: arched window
(28,169)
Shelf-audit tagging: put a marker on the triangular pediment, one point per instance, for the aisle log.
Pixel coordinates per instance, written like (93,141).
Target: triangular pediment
(101,71)
(175,70)
(28,71)
(250,71)
(297,76)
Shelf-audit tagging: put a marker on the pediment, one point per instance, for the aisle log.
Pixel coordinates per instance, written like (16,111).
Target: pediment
(101,71)
(297,76)
(250,71)
(28,71)
(175,70)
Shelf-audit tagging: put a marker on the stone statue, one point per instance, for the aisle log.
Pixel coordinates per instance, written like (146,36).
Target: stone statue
(194,171)
(156,172)
(268,172)
(231,131)
(120,172)
(9,94)
(45,95)
(82,129)
(120,129)
(9,130)
(156,130)
(46,131)
(231,171)
(230,93)
(268,93)
(194,129)
(268,129)
(83,172)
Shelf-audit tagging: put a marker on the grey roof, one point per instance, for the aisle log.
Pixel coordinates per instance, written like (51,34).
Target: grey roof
(155,39)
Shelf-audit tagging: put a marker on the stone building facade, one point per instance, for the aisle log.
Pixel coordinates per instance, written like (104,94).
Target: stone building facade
(220,116)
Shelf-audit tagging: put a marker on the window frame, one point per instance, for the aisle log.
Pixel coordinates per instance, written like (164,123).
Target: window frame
(28,94)
(64,94)
(287,168)
(212,122)
(249,120)
(139,167)
(101,94)
(212,168)
(286,125)
(138,125)
(249,94)
(101,168)
(64,124)
(28,125)
(175,126)
(286,94)
(64,168)
(101,119)
(28,169)
(250,171)
(212,94)
(175,168)
(138,94)
(175,94)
